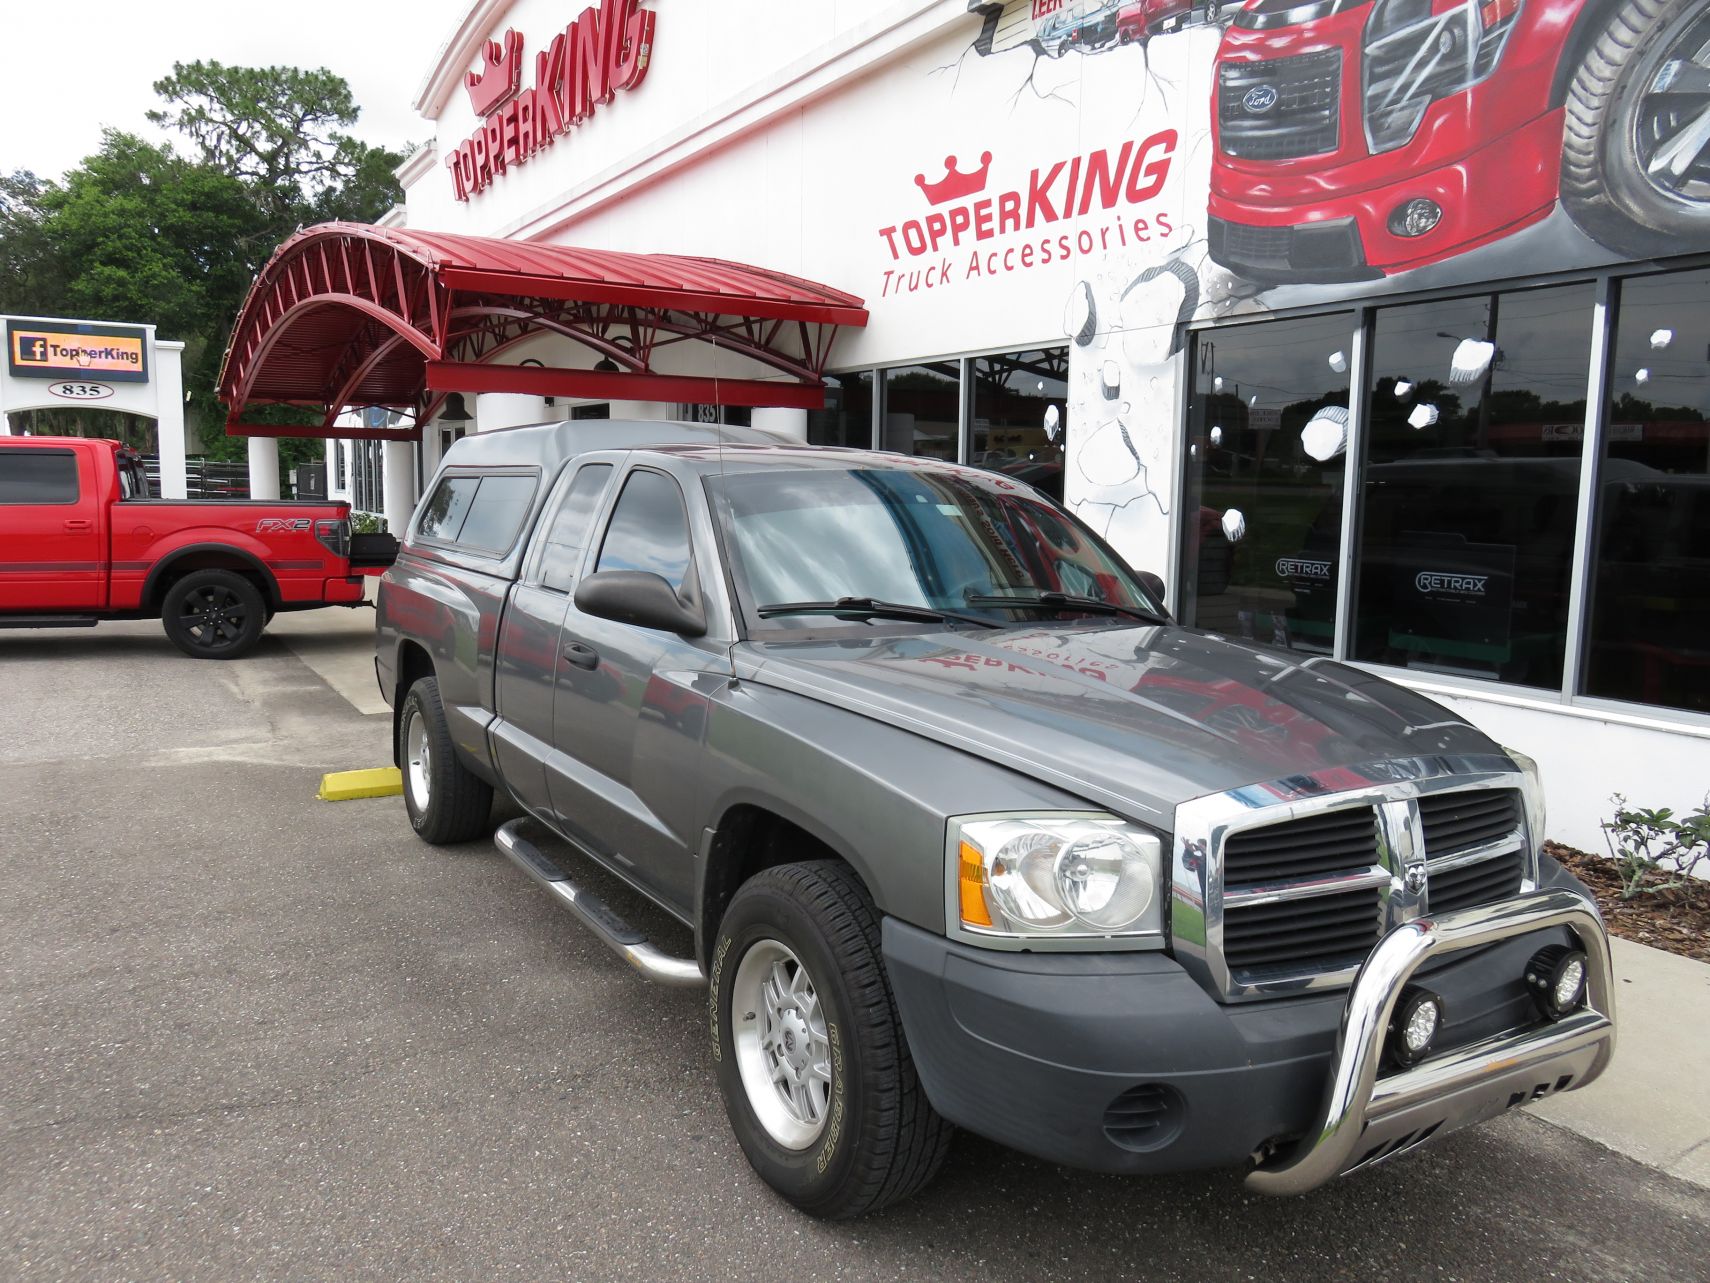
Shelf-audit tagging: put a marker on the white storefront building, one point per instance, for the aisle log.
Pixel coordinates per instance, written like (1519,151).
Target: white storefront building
(1426,467)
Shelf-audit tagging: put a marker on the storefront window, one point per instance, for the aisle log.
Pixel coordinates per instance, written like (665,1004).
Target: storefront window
(1267,430)
(847,419)
(922,404)
(1015,430)
(1470,483)
(1650,615)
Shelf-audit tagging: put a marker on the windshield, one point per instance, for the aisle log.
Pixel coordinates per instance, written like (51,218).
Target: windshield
(923,537)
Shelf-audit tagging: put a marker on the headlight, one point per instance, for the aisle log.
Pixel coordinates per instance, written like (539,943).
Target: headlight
(1534,792)
(1019,881)
(1414,56)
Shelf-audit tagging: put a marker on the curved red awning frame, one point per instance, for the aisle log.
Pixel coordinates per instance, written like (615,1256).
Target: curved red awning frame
(349,315)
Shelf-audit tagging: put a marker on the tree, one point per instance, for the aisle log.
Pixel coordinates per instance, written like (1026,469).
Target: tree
(144,233)
(30,271)
(280,131)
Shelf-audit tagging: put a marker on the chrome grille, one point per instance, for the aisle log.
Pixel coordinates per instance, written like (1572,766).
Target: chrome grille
(1279,108)
(1321,930)
(1474,848)
(1456,822)
(1283,887)
(1485,882)
(1315,847)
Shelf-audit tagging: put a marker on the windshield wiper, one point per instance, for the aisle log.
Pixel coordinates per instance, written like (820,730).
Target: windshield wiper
(871,608)
(1059,601)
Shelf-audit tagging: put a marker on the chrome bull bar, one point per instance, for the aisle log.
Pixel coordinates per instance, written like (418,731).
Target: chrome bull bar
(1455,1087)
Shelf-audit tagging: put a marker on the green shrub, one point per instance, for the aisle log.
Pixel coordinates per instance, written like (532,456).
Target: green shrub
(367,523)
(1657,852)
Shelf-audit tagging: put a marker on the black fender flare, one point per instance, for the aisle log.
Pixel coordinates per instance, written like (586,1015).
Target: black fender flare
(154,587)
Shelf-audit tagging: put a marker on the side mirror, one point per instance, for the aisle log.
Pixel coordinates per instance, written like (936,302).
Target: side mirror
(1152,583)
(641,598)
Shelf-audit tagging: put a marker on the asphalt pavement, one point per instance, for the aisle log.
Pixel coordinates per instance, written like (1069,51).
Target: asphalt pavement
(246,1034)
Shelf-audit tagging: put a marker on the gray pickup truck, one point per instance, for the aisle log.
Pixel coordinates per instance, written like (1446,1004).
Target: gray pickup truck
(968,832)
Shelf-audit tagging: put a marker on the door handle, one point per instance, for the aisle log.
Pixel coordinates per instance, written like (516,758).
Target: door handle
(581,656)
(78,523)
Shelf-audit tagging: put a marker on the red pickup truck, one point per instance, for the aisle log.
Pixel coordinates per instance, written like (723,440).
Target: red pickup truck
(82,541)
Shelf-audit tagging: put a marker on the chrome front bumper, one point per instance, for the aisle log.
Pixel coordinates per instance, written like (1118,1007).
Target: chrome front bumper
(1365,1119)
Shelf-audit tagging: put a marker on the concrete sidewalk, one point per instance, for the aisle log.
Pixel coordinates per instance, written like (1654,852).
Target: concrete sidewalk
(1651,1103)
(337,645)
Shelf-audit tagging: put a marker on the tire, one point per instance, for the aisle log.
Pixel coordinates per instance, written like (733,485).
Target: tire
(874,1138)
(213,614)
(1619,124)
(446,801)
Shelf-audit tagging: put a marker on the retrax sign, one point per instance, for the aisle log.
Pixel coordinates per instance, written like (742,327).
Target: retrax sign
(581,69)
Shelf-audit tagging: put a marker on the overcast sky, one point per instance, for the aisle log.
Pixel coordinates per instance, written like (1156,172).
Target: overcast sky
(69,69)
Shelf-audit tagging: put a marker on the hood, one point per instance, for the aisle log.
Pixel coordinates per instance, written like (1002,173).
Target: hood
(1137,718)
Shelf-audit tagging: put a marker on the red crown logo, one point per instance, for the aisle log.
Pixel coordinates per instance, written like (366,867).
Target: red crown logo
(955,186)
(502,78)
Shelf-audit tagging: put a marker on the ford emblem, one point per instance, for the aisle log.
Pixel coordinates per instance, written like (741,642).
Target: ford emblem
(1260,99)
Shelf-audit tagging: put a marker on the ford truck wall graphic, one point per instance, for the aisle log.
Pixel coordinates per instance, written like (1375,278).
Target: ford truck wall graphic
(1056,27)
(1355,140)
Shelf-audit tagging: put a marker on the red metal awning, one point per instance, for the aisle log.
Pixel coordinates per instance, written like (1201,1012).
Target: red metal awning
(347,315)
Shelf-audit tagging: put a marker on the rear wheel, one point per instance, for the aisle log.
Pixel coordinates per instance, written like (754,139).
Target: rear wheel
(812,1062)
(213,614)
(445,800)
(1636,151)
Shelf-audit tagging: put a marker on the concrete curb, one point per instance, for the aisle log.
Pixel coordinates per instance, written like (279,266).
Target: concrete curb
(1651,1103)
(347,786)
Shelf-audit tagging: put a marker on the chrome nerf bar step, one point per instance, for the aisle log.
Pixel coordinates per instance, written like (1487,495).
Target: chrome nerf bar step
(612,931)
(1458,1087)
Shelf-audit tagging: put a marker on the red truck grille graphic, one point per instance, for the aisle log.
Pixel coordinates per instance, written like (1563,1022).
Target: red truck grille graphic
(1280,108)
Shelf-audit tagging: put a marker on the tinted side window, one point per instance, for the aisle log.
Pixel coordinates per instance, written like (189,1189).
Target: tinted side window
(38,476)
(649,530)
(567,538)
(497,513)
(447,507)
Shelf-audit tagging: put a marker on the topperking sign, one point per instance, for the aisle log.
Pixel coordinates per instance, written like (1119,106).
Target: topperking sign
(580,70)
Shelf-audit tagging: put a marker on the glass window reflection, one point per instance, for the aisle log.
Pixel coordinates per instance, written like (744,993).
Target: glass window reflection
(1266,438)
(649,530)
(847,418)
(1471,481)
(922,409)
(1650,617)
(1020,415)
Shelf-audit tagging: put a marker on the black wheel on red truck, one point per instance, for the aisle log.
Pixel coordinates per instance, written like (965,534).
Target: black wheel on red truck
(213,614)
(446,801)
(1636,150)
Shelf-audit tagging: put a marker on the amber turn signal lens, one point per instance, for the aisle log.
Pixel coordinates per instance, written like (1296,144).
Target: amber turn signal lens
(972,877)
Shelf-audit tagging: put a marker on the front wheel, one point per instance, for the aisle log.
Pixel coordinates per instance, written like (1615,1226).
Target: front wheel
(213,614)
(1636,150)
(812,1062)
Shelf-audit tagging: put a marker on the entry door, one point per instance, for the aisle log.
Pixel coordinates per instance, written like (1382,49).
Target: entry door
(51,556)
(628,719)
(528,658)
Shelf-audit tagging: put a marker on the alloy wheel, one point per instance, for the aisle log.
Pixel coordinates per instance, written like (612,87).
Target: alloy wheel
(782,1051)
(1671,119)
(418,760)
(213,617)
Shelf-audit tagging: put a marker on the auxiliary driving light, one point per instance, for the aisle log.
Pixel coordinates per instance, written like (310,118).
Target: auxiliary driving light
(1415,217)
(1556,977)
(1418,1017)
